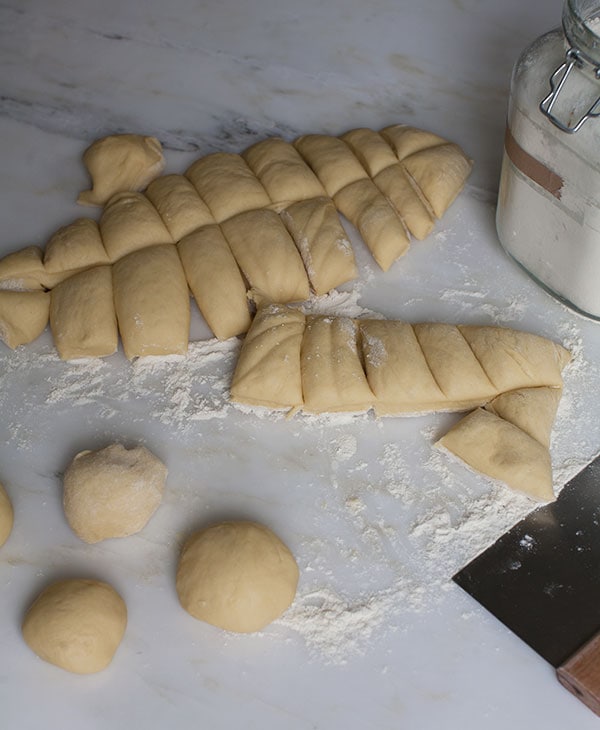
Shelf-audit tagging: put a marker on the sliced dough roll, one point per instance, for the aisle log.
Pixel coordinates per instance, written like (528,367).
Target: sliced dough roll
(370,149)
(533,410)
(406,140)
(268,369)
(267,256)
(227,185)
(23,270)
(179,205)
(321,239)
(152,302)
(23,316)
(502,451)
(333,378)
(282,171)
(82,315)
(378,223)
(129,223)
(216,281)
(74,247)
(332,160)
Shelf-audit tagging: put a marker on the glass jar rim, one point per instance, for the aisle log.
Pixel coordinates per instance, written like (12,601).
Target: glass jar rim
(576,18)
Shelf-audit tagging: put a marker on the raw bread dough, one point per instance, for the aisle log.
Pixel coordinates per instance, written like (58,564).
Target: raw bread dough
(130,222)
(82,315)
(268,368)
(179,205)
(23,316)
(238,576)
(216,281)
(533,410)
(332,161)
(502,451)
(76,624)
(406,140)
(267,256)
(282,171)
(152,302)
(112,492)
(328,257)
(227,185)
(119,163)
(370,149)
(75,247)
(6,516)
(23,270)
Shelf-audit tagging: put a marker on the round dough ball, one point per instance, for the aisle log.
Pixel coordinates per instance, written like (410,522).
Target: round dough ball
(76,624)
(238,576)
(6,516)
(112,492)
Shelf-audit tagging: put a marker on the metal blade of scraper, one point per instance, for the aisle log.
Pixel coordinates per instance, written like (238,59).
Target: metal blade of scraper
(542,580)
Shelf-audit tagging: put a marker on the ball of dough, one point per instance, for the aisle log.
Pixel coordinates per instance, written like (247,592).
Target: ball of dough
(112,492)
(6,516)
(76,624)
(238,576)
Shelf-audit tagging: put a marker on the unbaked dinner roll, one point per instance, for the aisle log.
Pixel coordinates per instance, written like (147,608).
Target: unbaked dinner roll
(23,270)
(6,516)
(238,576)
(216,281)
(179,205)
(533,410)
(23,316)
(74,247)
(332,161)
(76,624)
(152,302)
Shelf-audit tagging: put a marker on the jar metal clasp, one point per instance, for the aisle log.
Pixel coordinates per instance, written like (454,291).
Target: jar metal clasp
(575,62)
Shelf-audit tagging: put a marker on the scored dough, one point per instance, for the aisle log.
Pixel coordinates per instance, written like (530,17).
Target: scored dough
(112,492)
(82,315)
(238,576)
(179,205)
(6,516)
(23,316)
(74,247)
(152,302)
(216,281)
(76,624)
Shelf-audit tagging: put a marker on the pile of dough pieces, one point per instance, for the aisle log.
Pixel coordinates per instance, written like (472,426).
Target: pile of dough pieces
(236,575)
(321,363)
(262,225)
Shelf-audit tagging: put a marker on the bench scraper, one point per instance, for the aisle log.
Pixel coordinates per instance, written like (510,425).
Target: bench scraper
(542,580)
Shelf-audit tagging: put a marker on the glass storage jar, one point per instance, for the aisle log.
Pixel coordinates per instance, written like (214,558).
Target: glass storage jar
(548,214)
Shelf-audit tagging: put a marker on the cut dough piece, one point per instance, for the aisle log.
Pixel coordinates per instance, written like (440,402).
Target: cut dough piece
(502,451)
(238,576)
(441,173)
(6,516)
(268,368)
(514,359)
(267,256)
(74,247)
(406,140)
(76,624)
(332,373)
(397,187)
(216,282)
(179,205)
(533,410)
(227,185)
(378,223)
(120,163)
(112,492)
(321,239)
(455,368)
(23,316)
(23,270)
(130,222)
(82,315)
(332,160)
(152,302)
(397,371)
(371,150)
(282,171)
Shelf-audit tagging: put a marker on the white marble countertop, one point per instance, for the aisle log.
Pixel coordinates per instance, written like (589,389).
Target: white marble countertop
(379,637)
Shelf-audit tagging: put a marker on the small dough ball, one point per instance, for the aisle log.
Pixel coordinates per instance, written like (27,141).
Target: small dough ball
(112,492)
(6,516)
(76,624)
(238,576)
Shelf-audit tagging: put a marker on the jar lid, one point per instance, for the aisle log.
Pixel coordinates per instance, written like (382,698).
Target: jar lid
(581,23)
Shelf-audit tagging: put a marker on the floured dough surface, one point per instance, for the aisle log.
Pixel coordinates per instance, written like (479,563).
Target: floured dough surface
(238,576)
(112,492)
(6,516)
(23,316)
(76,624)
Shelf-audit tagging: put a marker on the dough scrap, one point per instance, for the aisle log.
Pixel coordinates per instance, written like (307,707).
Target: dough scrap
(76,624)
(23,316)
(112,492)
(6,516)
(120,163)
(238,576)
(82,315)
(74,247)
(179,205)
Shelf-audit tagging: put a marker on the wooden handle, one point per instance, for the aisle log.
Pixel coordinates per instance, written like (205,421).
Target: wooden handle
(580,674)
